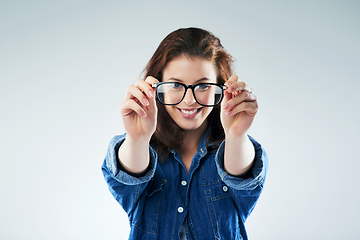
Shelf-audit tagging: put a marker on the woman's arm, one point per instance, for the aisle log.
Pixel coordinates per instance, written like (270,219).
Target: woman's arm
(134,156)
(239,155)
(239,108)
(139,114)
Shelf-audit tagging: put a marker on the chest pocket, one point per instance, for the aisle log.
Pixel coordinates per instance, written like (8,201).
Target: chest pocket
(209,175)
(146,215)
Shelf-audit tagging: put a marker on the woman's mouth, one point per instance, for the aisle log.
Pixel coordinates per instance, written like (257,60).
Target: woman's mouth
(189,113)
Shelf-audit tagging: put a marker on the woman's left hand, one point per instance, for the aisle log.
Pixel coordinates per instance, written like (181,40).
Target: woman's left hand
(238,107)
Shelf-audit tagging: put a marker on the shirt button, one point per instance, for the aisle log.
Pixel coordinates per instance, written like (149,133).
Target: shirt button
(225,188)
(180,209)
(183,183)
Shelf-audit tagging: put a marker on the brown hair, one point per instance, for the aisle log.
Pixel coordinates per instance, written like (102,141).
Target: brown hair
(192,42)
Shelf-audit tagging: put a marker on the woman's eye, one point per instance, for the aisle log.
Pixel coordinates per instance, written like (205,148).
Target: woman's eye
(203,86)
(177,86)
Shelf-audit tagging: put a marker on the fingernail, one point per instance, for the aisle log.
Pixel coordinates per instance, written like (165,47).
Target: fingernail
(145,101)
(228,113)
(226,105)
(151,93)
(143,113)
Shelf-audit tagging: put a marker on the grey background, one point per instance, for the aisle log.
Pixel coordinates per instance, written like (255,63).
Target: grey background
(64,69)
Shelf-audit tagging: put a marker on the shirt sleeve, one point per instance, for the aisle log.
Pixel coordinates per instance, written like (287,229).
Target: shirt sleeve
(258,172)
(245,190)
(125,188)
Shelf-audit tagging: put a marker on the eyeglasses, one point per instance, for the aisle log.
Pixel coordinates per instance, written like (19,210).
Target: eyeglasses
(205,94)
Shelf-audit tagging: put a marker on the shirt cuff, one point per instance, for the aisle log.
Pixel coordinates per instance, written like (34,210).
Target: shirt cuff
(258,170)
(113,164)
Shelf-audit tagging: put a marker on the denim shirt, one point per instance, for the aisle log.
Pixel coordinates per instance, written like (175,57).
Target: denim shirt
(207,201)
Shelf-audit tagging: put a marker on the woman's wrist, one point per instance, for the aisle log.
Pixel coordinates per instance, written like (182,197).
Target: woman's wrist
(134,155)
(235,137)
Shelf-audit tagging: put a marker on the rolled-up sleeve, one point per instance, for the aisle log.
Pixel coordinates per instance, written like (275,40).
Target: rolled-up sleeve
(258,170)
(125,188)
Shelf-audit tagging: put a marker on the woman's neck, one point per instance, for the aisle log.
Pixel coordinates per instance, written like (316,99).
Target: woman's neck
(193,138)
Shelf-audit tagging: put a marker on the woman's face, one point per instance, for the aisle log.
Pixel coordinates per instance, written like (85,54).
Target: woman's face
(188,114)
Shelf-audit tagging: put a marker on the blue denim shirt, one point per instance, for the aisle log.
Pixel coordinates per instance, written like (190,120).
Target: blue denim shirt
(210,203)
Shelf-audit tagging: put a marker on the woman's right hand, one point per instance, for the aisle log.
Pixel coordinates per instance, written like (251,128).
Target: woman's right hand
(139,111)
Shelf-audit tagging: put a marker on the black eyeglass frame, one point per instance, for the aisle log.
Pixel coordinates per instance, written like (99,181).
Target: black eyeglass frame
(192,87)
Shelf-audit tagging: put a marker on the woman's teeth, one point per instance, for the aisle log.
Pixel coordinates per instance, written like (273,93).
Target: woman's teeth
(189,112)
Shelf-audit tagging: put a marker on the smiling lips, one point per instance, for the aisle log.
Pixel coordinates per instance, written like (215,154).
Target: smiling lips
(189,113)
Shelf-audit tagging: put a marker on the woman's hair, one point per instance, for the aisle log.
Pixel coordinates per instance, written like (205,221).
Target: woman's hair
(191,42)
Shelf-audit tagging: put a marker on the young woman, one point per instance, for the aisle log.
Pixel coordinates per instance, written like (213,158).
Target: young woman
(186,168)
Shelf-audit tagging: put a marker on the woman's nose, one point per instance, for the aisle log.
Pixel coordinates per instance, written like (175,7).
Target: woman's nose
(189,97)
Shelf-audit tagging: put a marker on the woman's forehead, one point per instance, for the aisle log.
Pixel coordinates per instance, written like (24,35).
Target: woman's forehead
(192,69)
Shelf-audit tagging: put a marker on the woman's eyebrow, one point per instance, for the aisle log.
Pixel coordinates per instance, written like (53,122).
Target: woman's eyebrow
(179,80)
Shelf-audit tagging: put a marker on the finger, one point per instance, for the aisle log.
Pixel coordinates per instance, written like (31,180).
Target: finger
(152,108)
(151,80)
(135,92)
(230,83)
(226,99)
(250,108)
(145,87)
(233,79)
(237,86)
(241,97)
(130,106)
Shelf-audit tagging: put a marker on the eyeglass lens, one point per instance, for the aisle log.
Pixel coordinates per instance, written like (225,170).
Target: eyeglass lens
(205,94)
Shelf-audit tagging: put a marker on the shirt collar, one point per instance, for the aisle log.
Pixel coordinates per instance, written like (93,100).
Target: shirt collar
(204,144)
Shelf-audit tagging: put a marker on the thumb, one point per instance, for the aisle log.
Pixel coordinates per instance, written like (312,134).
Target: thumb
(152,108)
(227,97)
